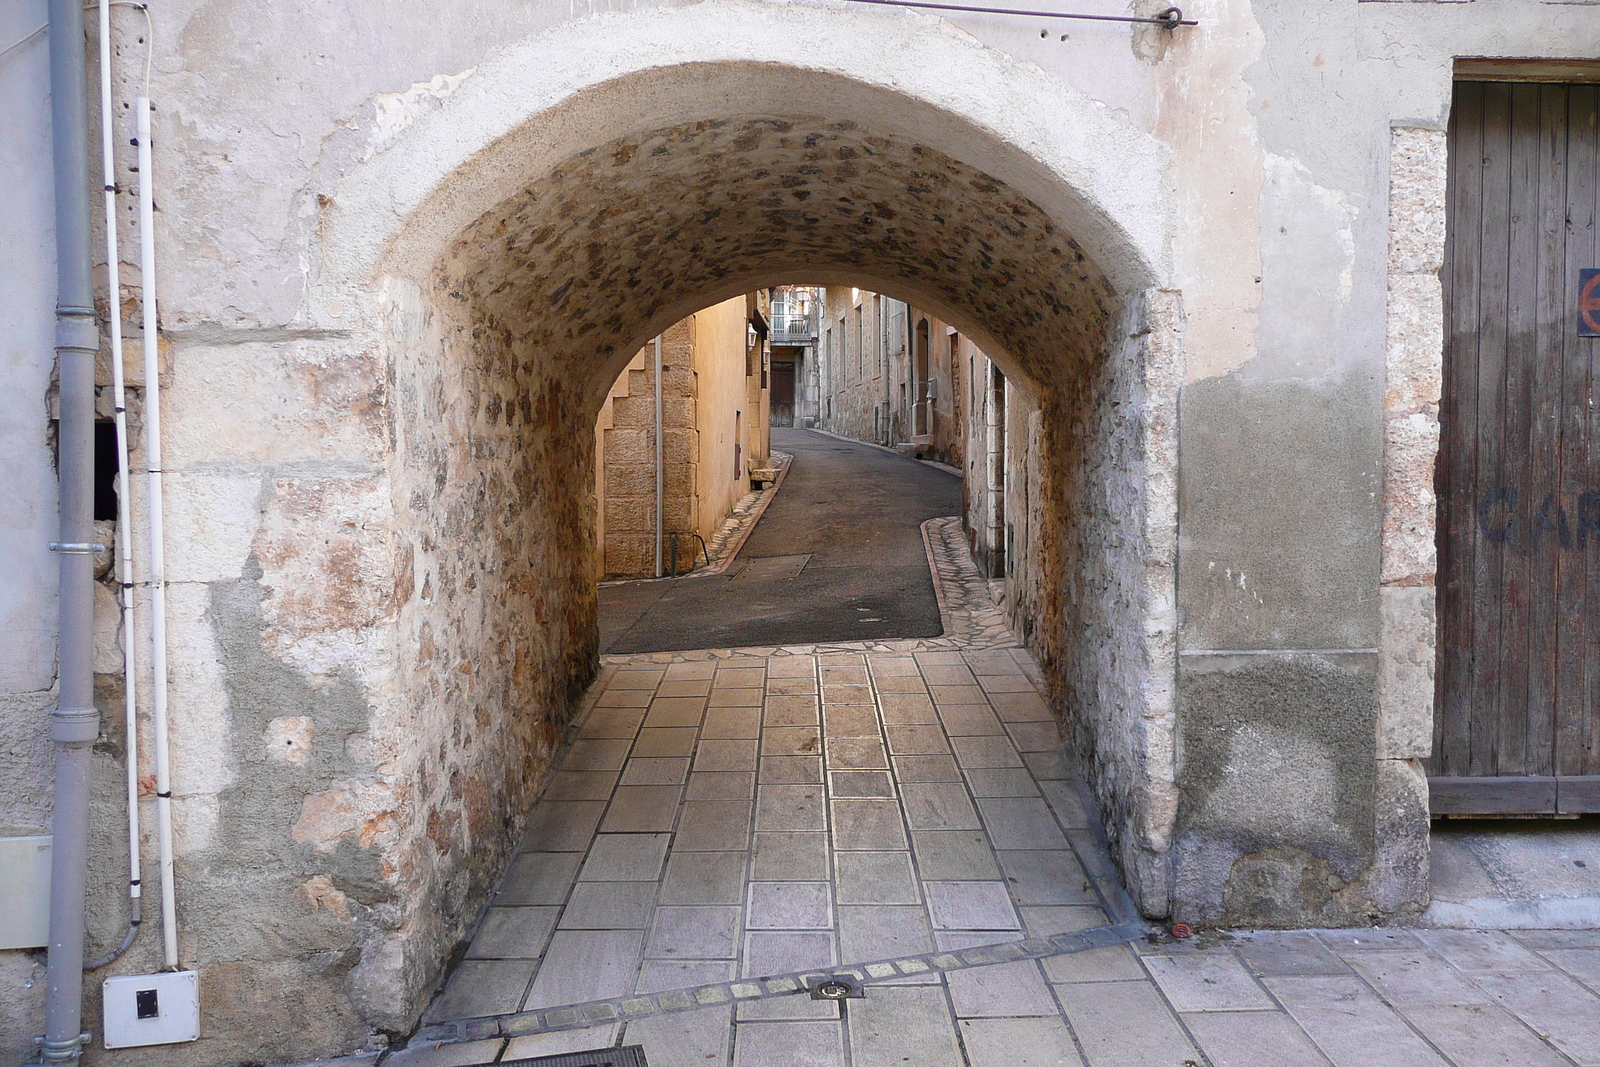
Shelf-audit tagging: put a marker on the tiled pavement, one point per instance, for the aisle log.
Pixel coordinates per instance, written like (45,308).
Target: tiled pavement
(743,816)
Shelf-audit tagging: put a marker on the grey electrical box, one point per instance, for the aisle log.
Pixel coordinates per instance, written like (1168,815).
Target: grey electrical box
(24,892)
(152,1009)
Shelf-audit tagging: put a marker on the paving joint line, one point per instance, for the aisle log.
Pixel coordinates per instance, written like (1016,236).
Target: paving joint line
(769,987)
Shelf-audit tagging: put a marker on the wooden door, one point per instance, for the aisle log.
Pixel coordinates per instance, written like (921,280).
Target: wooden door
(1517,723)
(782,398)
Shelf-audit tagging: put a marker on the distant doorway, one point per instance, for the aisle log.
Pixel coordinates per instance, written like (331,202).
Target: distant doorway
(782,399)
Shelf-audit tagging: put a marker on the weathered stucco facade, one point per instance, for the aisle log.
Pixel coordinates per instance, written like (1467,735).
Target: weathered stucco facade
(401,267)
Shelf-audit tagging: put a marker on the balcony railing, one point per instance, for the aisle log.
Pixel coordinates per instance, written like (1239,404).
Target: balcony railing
(793,329)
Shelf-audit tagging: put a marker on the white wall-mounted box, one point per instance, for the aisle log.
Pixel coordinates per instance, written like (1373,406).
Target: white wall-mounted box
(152,1009)
(24,892)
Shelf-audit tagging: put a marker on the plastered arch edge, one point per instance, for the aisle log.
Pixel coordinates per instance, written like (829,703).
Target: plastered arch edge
(589,81)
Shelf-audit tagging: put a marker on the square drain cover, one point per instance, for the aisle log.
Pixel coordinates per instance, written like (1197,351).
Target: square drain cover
(629,1056)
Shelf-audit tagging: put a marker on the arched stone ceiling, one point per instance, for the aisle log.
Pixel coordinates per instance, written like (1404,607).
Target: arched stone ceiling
(585,263)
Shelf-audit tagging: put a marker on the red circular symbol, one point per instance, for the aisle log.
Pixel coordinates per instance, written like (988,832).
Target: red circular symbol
(1589,303)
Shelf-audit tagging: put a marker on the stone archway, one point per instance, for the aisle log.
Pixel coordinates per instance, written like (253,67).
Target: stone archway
(508,254)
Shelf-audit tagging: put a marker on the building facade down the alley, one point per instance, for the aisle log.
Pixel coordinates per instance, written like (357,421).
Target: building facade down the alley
(1294,313)
(712,411)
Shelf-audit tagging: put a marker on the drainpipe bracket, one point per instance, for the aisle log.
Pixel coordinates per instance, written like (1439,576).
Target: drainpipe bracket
(76,329)
(69,726)
(77,548)
(61,1051)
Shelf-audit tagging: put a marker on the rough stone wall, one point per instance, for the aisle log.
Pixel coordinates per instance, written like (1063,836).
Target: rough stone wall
(853,381)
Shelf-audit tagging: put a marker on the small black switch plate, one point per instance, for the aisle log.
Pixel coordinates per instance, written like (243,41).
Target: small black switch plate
(144,1003)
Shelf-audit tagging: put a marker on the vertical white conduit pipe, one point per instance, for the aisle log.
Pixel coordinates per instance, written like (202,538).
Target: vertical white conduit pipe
(158,568)
(124,487)
(659,480)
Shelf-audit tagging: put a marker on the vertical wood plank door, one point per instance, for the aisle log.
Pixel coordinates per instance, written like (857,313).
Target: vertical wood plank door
(1517,715)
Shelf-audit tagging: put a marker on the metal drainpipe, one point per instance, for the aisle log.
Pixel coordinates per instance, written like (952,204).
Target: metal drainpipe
(659,479)
(75,723)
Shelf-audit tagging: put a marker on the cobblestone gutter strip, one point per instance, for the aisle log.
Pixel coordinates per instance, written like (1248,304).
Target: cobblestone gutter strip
(799,983)
(966,609)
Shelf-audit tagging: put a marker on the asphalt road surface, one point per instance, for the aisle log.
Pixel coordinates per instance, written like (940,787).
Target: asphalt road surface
(838,556)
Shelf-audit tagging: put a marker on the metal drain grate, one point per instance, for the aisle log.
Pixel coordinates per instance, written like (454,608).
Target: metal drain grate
(629,1056)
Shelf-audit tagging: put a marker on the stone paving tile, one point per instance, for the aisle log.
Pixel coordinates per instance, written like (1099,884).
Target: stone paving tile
(1369,939)
(704,878)
(916,740)
(753,677)
(657,976)
(697,933)
(673,741)
(1063,798)
(713,826)
(1348,1022)
(957,940)
(1582,963)
(1005,989)
(636,679)
(1021,823)
(911,684)
(843,675)
(675,711)
(736,698)
(790,741)
(789,1044)
(1047,877)
(850,720)
(1207,981)
(1253,1039)
(1479,1035)
(625,858)
(1035,736)
(1021,707)
(956,694)
(1047,766)
(938,659)
(697,1038)
(1558,939)
(531,1046)
(879,932)
(869,825)
(1476,951)
(656,771)
(596,754)
(861,753)
(583,965)
(948,674)
(846,694)
(611,722)
(791,711)
(1273,952)
(609,906)
(954,855)
(685,687)
(790,807)
(791,770)
(1005,683)
(791,667)
(1553,1004)
(723,724)
(625,698)
(896,1026)
(1019,1043)
(1414,978)
(1125,1024)
(722,785)
(862,784)
(580,785)
(876,878)
(512,933)
(969,720)
(970,906)
(935,768)
(939,806)
(730,755)
(641,808)
(690,670)
(985,752)
(562,825)
(789,906)
(1116,963)
(1061,919)
(538,878)
(906,709)
(483,987)
(787,856)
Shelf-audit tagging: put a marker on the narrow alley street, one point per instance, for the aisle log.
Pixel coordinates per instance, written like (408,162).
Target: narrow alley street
(838,555)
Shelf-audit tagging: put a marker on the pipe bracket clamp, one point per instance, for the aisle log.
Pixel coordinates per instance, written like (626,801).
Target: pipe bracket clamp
(76,329)
(75,725)
(77,548)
